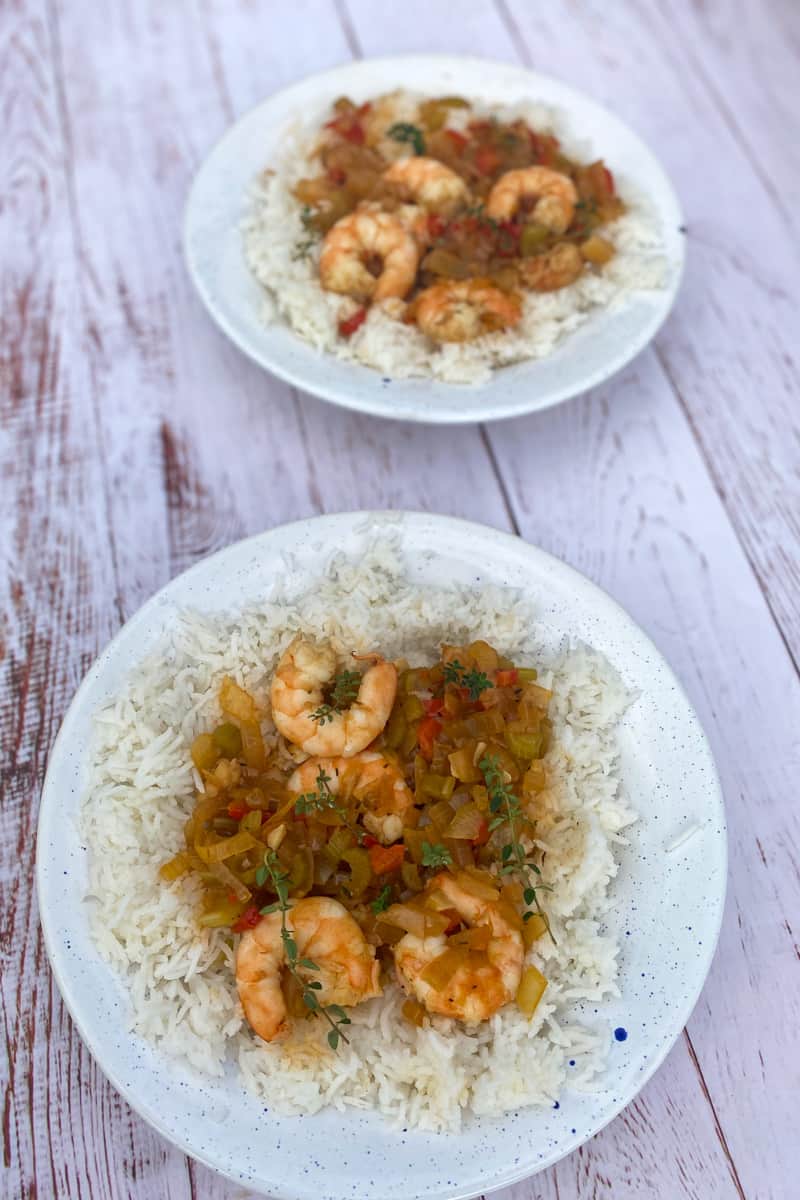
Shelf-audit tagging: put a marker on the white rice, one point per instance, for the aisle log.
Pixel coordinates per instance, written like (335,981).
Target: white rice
(180,977)
(285,261)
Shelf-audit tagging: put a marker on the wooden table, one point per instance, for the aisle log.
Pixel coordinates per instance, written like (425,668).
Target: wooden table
(135,439)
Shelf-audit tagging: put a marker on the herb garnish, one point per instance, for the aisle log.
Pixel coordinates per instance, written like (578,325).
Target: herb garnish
(473,680)
(453,671)
(506,809)
(303,248)
(333,1013)
(435,855)
(382,900)
(402,131)
(345,690)
(323,797)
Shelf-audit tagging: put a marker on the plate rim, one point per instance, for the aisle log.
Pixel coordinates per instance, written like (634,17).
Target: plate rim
(372,406)
(376,518)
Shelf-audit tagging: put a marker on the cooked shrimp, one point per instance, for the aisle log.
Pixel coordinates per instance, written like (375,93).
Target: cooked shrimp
(370,779)
(486,980)
(554,193)
(367,239)
(429,182)
(458,310)
(554,269)
(298,696)
(325,934)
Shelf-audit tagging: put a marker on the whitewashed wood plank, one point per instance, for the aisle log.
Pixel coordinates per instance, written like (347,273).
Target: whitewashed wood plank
(747,55)
(730,346)
(58,596)
(427,25)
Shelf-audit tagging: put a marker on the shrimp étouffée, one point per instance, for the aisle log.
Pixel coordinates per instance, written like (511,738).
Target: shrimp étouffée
(298,694)
(363,240)
(368,778)
(325,933)
(460,310)
(555,195)
(481,981)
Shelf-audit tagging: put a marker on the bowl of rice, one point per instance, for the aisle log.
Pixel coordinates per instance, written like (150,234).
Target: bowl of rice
(635,871)
(254,256)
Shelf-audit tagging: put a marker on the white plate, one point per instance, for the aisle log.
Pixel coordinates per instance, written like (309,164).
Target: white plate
(213,245)
(669,903)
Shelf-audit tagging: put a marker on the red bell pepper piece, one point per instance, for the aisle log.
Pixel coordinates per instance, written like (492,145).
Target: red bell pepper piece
(349,325)
(487,160)
(426,735)
(248,920)
(434,706)
(436,225)
(482,836)
(506,678)
(455,920)
(383,859)
(458,139)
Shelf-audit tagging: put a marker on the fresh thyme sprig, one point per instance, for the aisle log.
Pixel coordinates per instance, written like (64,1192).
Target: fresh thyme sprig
(334,1014)
(453,671)
(435,855)
(506,810)
(473,680)
(345,690)
(382,900)
(403,131)
(322,798)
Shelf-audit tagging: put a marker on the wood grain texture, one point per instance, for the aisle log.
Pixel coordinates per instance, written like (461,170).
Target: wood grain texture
(134,439)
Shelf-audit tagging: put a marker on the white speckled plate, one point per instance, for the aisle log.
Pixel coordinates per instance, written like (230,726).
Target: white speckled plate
(668,900)
(598,349)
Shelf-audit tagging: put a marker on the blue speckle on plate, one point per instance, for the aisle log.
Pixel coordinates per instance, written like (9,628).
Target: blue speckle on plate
(621,1034)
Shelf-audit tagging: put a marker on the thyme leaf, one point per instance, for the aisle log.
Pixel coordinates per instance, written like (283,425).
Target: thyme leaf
(382,900)
(402,131)
(344,691)
(435,855)
(333,1014)
(514,861)
(473,680)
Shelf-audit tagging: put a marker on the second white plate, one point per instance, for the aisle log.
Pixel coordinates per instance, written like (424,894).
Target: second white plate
(608,340)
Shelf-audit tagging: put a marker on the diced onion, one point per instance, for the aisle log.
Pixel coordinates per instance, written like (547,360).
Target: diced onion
(236,702)
(530,991)
(222,848)
(228,880)
(441,969)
